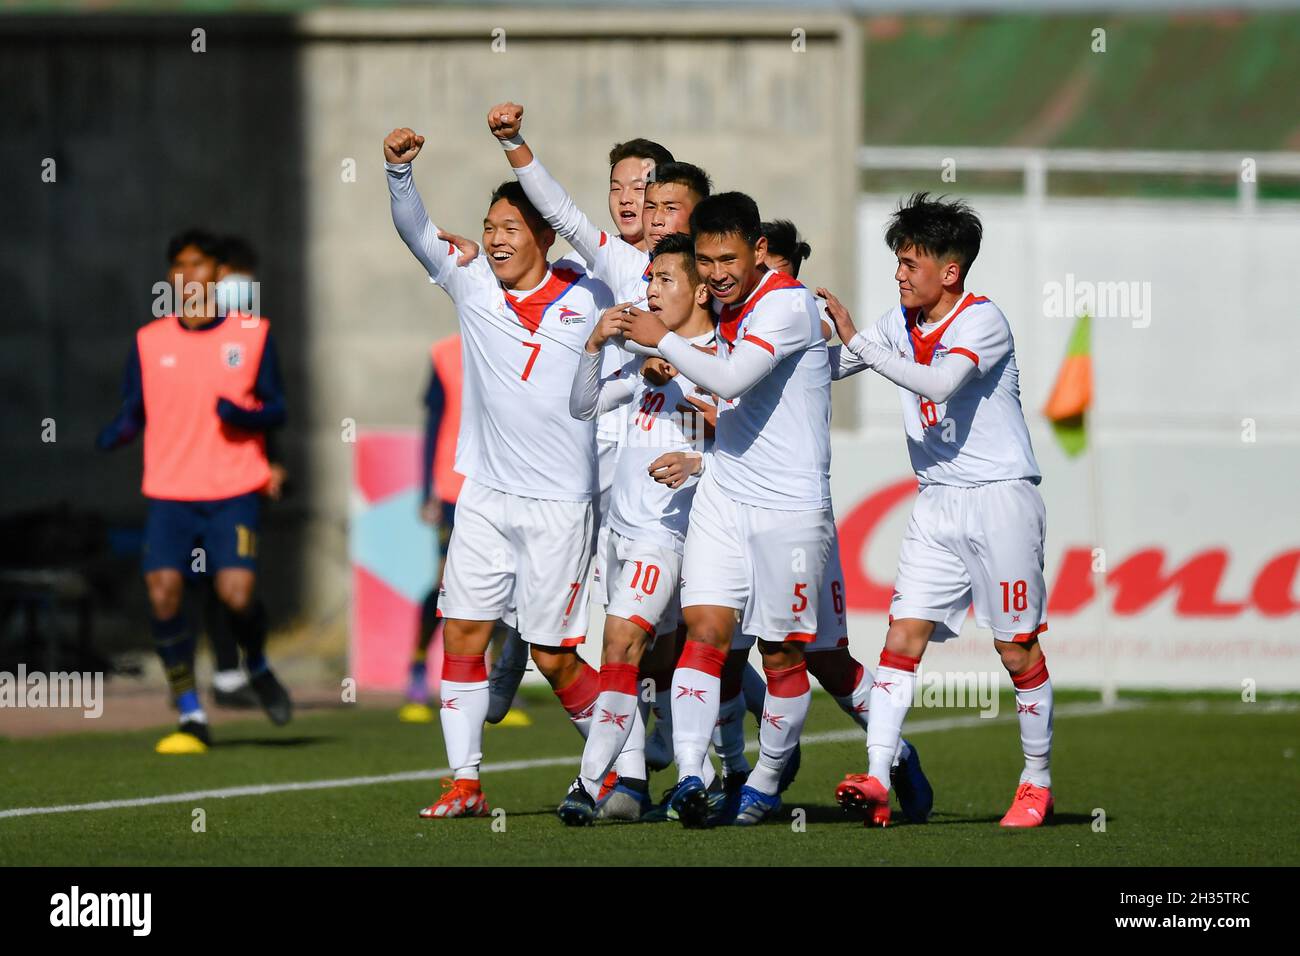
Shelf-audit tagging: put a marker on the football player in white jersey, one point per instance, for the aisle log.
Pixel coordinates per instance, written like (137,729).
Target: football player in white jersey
(761,529)
(647,518)
(619,260)
(841,675)
(524,533)
(976,535)
(643,179)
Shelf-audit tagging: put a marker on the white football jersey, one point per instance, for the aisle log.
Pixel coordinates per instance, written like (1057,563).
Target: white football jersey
(625,269)
(643,509)
(622,267)
(772,445)
(979,435)
(520,351)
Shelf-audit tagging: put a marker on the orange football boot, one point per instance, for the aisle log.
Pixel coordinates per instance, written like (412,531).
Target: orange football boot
(460,798)
(1032,807)
(866,795)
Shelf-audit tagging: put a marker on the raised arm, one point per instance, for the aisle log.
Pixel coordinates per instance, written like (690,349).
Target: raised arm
(438,256)
(505,120)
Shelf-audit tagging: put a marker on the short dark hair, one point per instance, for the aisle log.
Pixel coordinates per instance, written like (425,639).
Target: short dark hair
(201,239)
(727,214)
(685,174)
(512,192)
(679,243)
(640,149)
(783,240)
(238,253)
(940,227)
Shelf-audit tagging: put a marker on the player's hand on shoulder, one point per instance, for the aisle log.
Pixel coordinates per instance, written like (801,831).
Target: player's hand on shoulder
(467,248)
(402,145)
(505,120)
(657,372)
(673,468)
(840,315)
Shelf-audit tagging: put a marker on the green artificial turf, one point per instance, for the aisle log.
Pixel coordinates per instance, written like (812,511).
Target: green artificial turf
(1181,780)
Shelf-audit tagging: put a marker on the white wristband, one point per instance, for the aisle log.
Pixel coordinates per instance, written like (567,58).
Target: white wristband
(514,142)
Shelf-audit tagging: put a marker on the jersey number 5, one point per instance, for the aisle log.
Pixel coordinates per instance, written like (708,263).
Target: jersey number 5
(536,348)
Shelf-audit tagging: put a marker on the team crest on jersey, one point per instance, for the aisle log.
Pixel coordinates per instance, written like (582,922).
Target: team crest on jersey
(569,317)
(232,355)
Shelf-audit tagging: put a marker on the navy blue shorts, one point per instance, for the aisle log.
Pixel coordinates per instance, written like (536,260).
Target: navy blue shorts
(226,529)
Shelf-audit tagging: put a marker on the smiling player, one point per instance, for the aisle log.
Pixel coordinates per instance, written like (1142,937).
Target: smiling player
(647,518)
(761,527)
(977,529)
(524,528)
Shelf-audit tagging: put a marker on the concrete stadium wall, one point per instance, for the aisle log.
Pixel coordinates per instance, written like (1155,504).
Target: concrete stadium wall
(729,94)
(258,135)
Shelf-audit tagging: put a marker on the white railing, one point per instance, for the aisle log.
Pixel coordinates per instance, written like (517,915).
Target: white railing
(1035,164)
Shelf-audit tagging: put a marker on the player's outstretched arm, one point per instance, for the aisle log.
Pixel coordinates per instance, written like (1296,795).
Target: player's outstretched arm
(552,201)
(938,381)
(728,377)
(438,257)
(590,395)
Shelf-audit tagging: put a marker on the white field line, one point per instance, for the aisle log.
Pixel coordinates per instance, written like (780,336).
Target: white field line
(261,790)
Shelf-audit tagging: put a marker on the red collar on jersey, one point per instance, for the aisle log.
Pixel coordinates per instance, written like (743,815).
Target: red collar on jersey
(731,316)
(923,343)
(531,310)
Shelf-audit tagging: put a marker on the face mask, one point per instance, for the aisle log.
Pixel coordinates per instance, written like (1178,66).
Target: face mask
(237,292)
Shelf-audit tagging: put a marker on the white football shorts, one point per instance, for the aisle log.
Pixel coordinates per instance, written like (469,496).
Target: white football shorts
(643,583)
(769,565)
(981,546)
(528,555)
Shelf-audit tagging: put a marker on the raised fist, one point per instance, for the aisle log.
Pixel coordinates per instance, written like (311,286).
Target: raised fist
(505,120)
(402,145)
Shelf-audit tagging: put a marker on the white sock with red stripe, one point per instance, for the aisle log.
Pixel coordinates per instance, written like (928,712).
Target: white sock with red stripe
(856,703)
(578,698)
(464,693)
(890,698)
(784,711)
(729,735)
(614,720)
(697,682)
(1034,711)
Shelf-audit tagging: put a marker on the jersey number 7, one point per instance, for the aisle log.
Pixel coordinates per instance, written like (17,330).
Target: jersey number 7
(536,348)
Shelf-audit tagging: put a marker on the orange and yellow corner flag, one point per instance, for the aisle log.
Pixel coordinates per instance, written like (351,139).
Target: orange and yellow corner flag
(1072,395)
